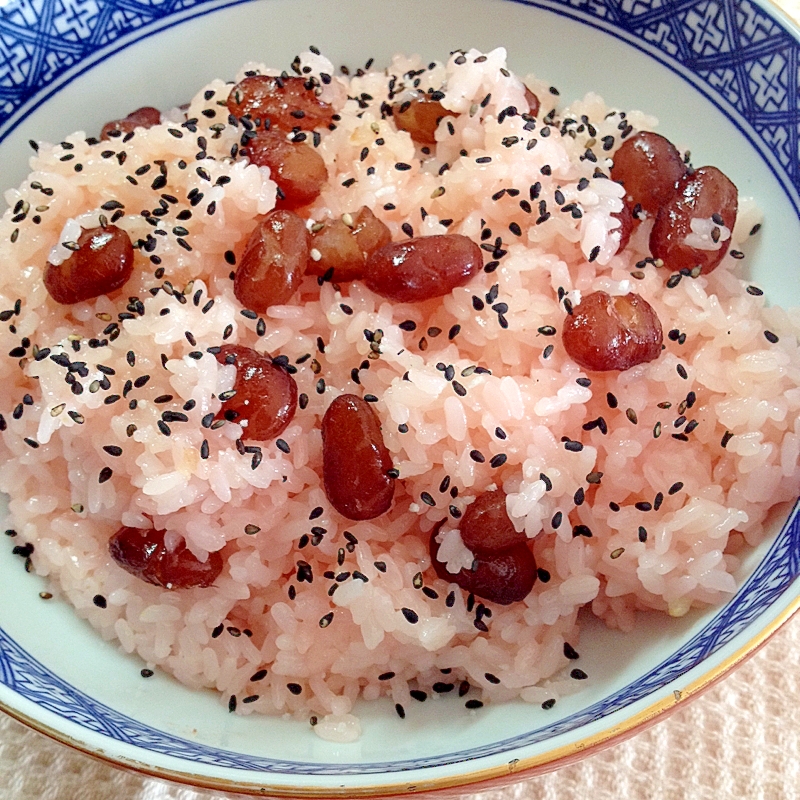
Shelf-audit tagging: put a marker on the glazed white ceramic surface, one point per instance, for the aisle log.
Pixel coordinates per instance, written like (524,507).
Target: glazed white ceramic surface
(58,675)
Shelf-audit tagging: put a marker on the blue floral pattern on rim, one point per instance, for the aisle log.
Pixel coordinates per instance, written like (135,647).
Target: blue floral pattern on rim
(733,51)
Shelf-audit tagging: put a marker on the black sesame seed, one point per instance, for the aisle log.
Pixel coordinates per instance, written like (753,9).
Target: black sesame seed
(570,652)
(578,674)
(99,601)
(473,704)
(105,474)
(410,615)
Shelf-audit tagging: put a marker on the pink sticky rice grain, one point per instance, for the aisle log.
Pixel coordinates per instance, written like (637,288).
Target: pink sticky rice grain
(321,650)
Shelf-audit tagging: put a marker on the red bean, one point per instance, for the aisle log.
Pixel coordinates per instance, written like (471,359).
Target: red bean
(625,229)
(419,269)
(145,117)
(296,167)
(533,102)
(612,333)
(503,577)
(486,528)
(355,461)
(102,263)
(273,263)
(266,395)
(285,102)
(420,117)
(345,246)
(705,194)
(649,167)
(144,554)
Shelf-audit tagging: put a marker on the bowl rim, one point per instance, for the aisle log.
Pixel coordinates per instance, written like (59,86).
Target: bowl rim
(514,770)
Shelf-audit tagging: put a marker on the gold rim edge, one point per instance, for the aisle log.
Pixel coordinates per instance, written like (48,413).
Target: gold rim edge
(542,762)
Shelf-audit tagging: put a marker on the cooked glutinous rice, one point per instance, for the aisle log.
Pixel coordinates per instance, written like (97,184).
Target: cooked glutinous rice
(647,509)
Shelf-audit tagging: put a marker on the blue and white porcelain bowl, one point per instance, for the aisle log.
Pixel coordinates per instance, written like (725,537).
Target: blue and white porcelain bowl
(719,73)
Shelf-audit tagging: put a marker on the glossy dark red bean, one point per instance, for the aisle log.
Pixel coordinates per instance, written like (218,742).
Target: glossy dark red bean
(419,269)
(625,229)
(296,167)
(273,262)
(144,554)
(706,194)
(102,263)
(420,117)
(345,246)
(355,461)
(649,166)
(503,577)
(266,395)
(533,102)
(285,102)
(486,528)
(606,333)
(145,117)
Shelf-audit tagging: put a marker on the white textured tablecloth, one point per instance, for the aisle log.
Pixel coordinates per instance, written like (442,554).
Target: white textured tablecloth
(741,739)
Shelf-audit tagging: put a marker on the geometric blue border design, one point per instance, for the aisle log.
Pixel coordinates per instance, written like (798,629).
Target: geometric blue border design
(741,56)
(737,53)
(774,575)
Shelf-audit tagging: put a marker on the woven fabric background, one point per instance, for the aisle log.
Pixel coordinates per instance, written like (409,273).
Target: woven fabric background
(740,739)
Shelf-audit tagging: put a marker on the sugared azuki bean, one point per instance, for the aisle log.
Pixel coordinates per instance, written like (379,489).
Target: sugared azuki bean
(266,395)
(612,333)
(625,229)
(533,102)
(144,554)
(296,167)
(273,262)
(420,117)
(649,167)
(355,461)
(707,194)
(145,117)
(486,528)
(102,263)
(419,269)
(344,246)
(504,577)
(285,102)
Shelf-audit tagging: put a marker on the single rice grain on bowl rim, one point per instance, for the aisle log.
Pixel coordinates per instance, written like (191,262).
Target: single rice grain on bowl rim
(330,387)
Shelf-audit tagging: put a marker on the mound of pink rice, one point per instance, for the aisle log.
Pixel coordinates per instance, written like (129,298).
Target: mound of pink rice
(695,449)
